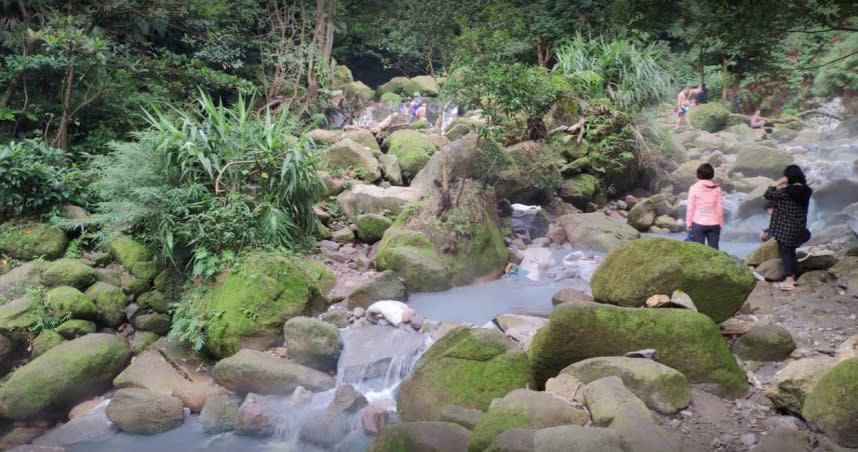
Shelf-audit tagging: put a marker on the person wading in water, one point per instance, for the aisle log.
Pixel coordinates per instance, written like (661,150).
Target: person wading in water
(789,219)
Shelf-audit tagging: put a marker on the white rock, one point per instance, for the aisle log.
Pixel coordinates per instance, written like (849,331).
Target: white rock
(395,312)
(536,261)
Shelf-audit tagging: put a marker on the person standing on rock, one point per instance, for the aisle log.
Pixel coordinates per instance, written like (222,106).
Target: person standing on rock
(789,219)
(705,214)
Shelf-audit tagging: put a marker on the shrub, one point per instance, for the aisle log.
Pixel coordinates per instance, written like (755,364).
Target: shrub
(211,182)
(35,177)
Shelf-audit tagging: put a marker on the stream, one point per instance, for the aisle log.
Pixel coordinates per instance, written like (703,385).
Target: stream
(376,358)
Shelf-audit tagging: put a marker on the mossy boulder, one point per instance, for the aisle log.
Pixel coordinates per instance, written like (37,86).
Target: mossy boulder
(342,76)
(154,300)
(30,241)
(63,376)
(391,98)
(832,405)
(710,117)
(466,367)
(402,86)
(532,175)
(596,231)
(755,160)
(144,412)
(128,251)
(387,285)
(791,385)
(685,340)
(147,270)
(135,285)
(75,328)
(68,300)
(69,272)
(685,176)
(765,343)
(313,343)
(635,271)
(20,280)
(427,84)
(420,124)
(350,155)
(421,437)
(257,296)
(45,341)
(153,321)
(581,190)
(359,91)
(251,371)
(523,408)
(767,250)
(18,315)
(109,303)
(660,387)
(431,253)
(364,138)
(371,227)
(412,149)
(323,136)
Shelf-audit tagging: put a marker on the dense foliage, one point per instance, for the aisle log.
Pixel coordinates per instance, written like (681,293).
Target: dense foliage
(211,181)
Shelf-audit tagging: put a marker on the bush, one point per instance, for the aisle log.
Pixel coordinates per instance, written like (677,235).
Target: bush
(211,182)
(35,177)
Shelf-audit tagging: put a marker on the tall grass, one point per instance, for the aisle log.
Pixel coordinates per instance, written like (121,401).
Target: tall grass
(211,182)
(630,75)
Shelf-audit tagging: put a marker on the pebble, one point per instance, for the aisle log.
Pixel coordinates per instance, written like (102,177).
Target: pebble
(359,312)
(748,439)
(417,322)
(544,242)
(686,413)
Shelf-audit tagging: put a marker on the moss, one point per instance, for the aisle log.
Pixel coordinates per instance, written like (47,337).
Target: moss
(154,322)
(68,300)
(364,138)
(532,174)
(685,340)
(155,301)
(371,227)
(31,241)
(257,297)
(63,376)
(142,340)
(832,405)
(45,341)
(147,270)
(467,367)
(766,251)
(581,190)
(493,424)
(399,85)
(136,286)
(428,86)
(342,76)
(17,315)
(391,98)
(634,271)
(69,272)
(412,149)
(359,92)
(128,251)
(755,160)
(710,117)
(71,329)
(420,124)
(764,343)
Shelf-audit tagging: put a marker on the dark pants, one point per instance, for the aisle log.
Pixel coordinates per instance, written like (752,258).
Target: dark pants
(788,258)
(706,234)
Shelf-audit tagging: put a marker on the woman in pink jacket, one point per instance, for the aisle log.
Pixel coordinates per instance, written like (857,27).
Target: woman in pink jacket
(705,214)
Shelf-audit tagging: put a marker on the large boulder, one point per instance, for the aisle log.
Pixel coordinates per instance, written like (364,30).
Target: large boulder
(765,343)
(761,161)
(150,371)
(402,86)
(263,373)
(387,285)
(710,117)
(63,376)
(531,175)
(523,408)
(69,272)
(431,254)
(109,303)
(635,271)
(685,176)
(766,251)
(312,342)
(791,384)
(349,155)
(574,438)
(412,149)
(371,227)
(748,184)
(421,437)
(846,271)
(458,157)
(427,84)
(832,405)
(685,340)
(257,297)
(219,414)
(662,388)
(390,169)
(332,425)
(359,92)
(365,199)
(141,411)
(645,212)
(65,300)
(596,231)
(31,241)
(581,190)
(836,195)
(466,367)
(129,252)
(754,203)
(20,280)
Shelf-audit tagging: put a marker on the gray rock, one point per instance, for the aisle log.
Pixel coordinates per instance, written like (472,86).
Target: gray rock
(765,343)
(596,231)
(219,414)
(330,427)
(374,199)
(513,440)
(466,417)
(570,296)
(312,342)
(141,411)
(262,373)
(422,437)
(19,280)
(783,439)
(387,285)
(154,322)
(91,426)
(256,417)
(574,438)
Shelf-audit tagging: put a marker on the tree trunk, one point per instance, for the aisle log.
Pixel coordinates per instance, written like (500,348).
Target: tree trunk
(725,75)
(702,78)
(61,140)
(315,52)
(329,39)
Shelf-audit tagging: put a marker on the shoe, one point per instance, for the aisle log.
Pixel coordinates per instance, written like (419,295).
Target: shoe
(784,287)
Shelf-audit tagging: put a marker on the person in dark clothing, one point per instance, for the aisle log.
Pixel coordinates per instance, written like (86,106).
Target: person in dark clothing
(788,225)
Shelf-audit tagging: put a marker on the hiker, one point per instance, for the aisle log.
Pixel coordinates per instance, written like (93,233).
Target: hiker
(705,214)
(413,108)
(757,121)
(770,209)
(683,104)
(788,226)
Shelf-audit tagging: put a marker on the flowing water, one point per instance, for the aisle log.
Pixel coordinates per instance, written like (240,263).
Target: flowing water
(375,359)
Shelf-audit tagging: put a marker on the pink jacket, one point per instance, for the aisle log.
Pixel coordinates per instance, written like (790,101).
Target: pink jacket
(705,205)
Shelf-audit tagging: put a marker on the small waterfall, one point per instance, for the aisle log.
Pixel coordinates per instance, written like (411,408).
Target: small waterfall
(375,359)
